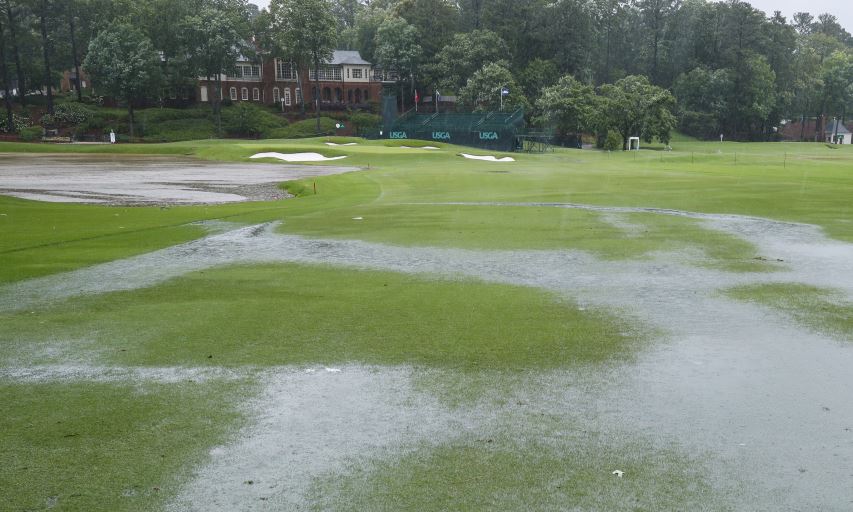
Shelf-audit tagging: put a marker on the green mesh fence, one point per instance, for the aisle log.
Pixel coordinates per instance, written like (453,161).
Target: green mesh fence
(489,130)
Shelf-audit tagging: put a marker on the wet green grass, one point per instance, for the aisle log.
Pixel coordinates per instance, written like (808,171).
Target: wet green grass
(273,315)
(798,182)
(817,308)
(498,473)
(85,446)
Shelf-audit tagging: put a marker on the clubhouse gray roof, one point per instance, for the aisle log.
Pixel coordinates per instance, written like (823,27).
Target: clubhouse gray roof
(347,57)
(830,127)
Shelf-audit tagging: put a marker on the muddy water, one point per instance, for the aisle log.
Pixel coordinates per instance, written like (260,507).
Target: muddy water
(134,179)
(768,400)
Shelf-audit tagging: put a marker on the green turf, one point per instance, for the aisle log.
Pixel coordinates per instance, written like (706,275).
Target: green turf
(820,309)
(44,238)
(294,315)
(85,446)
(497,473)
(811,184)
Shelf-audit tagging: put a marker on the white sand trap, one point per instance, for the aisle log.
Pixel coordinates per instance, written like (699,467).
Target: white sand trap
(419,147)
(298,157)
(488,158)
(344,144)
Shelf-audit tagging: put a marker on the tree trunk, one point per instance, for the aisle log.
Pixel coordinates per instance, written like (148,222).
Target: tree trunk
(130,116)
(301,91)
(75,60)
(4,75)
(217,109)
(317,87)
(46,52)
(22,89)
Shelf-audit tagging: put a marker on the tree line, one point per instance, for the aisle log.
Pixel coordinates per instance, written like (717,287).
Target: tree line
(705,67)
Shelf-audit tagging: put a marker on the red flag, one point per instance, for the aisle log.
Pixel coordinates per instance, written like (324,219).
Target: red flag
(417,98)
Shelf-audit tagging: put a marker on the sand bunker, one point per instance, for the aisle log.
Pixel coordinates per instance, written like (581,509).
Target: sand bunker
(298,157)
(418,147)
(488,158)
(146,180)
(344,144)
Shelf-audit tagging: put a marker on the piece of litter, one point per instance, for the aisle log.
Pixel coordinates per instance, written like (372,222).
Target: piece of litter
(488,158)
(358,218)
(333,370)
(618,473)
(297,157)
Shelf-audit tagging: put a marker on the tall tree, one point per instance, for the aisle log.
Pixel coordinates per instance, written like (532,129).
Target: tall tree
(467,53)
(308,29)
(11,13)
(397,49)
(214,36)
(483,92)
(4,76)
(124,64)
(569,105)
(45,9)
(636,108)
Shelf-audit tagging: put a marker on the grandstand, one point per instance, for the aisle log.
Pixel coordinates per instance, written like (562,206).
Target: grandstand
(488,130)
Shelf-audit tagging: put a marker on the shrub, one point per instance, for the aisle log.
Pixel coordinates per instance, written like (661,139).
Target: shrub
(18,124)
(248,120)
(31,133)
(47,120)
(613,142)
(363,122)
(303,129)
(71,114)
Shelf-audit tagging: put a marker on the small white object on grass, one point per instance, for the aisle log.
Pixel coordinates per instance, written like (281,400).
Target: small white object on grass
(618,473)
(358,218)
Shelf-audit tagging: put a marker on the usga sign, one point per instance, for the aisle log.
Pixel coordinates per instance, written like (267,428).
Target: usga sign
(397,135)
(441,135)
(488,135)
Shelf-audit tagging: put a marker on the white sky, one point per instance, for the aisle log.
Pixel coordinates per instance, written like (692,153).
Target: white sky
(842,9)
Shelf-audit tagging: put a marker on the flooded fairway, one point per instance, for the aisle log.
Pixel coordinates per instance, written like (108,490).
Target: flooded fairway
(759,402)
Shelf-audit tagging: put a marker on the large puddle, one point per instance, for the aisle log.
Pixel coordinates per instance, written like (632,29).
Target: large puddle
(134,179)
(767,399)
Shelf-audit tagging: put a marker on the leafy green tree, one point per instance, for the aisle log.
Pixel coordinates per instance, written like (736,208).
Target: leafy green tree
(569,105)
(435,20)
(308,29)
(702,96)
(4,76)
(483,90)
(397,49)
(214,36)
(123,62)
(467,53)
(634,107)
(538,75)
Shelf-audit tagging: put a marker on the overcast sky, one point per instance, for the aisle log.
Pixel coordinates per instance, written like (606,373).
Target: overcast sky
(842,9)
